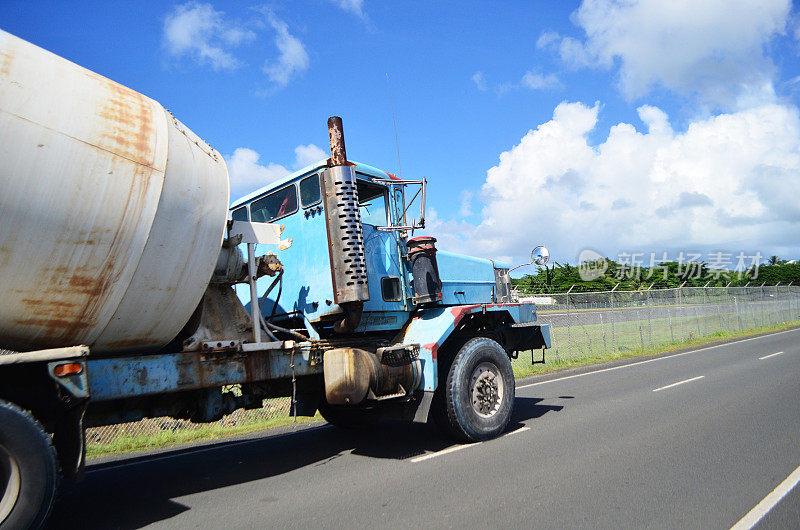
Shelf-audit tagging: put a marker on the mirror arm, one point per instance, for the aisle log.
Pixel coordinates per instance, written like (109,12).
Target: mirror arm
(422,203)
(518,266)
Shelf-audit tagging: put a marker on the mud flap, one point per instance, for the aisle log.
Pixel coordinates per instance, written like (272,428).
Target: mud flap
(526,336)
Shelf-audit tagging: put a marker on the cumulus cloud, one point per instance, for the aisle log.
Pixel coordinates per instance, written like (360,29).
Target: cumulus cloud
(715,49)
(292,55)
(479,81)
(305,155)
(248,174)
(729,181)
(199,31)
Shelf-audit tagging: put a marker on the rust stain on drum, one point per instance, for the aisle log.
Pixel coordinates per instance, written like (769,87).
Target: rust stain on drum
(129,114)
(6,57)
(70,310)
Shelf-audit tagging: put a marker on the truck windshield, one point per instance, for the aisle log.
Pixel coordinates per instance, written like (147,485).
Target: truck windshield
(372,203)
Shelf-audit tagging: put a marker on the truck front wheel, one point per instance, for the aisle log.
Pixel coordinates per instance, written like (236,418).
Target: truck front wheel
(478,395)
(28,469)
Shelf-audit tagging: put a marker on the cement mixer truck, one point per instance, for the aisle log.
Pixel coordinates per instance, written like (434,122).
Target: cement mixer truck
(130,287)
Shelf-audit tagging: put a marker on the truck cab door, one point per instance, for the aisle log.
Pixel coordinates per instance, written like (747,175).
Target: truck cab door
(386,307)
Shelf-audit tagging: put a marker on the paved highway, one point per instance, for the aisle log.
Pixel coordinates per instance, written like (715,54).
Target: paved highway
(696,439)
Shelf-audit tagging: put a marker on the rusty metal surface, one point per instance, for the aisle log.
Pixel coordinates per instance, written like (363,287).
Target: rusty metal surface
(336,137)
(142,375)
(353,375)
(90,252)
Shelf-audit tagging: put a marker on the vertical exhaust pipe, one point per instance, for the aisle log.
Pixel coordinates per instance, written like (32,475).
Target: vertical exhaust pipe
(345,238)
(336,137)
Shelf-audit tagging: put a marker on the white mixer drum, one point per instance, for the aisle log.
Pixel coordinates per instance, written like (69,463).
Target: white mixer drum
(112,212)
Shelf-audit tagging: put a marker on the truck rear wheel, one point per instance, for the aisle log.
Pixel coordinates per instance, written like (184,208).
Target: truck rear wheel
(478,394)
(28,470)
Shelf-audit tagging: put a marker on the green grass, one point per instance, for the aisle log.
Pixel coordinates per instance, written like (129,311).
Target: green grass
(129,443)
(522,368)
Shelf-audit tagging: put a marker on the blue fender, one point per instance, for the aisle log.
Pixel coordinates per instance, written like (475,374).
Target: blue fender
(430,328)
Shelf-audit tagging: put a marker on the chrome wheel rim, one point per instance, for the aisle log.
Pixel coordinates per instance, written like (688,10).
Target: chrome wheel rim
(486,385)
(9,483)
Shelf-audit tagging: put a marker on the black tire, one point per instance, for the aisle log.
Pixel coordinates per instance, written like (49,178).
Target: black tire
(346,417)
(477,397)
(28,468)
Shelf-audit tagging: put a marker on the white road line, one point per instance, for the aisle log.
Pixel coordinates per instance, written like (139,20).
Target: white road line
(452,449)
(768,502)
(521,429)
(770,355)
(455,448)
(678,383)
(650,360)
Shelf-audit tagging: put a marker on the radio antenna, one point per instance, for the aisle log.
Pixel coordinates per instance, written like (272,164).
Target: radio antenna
(394,120)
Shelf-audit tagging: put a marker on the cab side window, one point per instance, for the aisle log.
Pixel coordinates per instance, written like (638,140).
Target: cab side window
(372,200)
(275,205)
(239,214)
(309,191)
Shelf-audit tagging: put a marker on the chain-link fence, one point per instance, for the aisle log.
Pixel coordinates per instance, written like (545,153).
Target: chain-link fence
(582,325)
(163,431)
(601,323)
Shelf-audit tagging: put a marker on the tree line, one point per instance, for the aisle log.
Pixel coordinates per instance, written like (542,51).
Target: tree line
(560,278)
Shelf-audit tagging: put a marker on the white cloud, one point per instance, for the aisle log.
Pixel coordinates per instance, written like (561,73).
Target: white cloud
(532,80)
(305,155)
(537,81)
(292,58)
(479,81)
(546,39)
(199,31)
(730,181)
(713,48)
(355,7)
(247,174)
(465,208)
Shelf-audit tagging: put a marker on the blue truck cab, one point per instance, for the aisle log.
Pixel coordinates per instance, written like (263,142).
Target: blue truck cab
(395,317)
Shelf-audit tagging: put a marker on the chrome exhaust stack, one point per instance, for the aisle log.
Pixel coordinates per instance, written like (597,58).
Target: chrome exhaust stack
(345,238)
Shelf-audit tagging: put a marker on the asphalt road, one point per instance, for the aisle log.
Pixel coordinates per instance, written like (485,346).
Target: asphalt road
(605,449)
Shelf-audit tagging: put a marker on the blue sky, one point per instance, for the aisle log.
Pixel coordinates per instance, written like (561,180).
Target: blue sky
(636,126)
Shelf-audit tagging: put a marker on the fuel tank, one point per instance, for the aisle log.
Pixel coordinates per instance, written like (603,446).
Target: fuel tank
(112,212)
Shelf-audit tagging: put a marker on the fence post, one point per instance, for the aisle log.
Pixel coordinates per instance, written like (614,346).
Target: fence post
(697,320)
(649,311)
(569,327)
(680,308)
(669,318)
(613,331)
(603,329)
(738,318)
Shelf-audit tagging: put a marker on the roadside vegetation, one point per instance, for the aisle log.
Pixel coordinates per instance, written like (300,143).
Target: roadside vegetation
(130,442)
(560,278)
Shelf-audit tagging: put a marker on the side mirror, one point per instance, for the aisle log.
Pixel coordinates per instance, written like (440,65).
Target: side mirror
(540,255)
